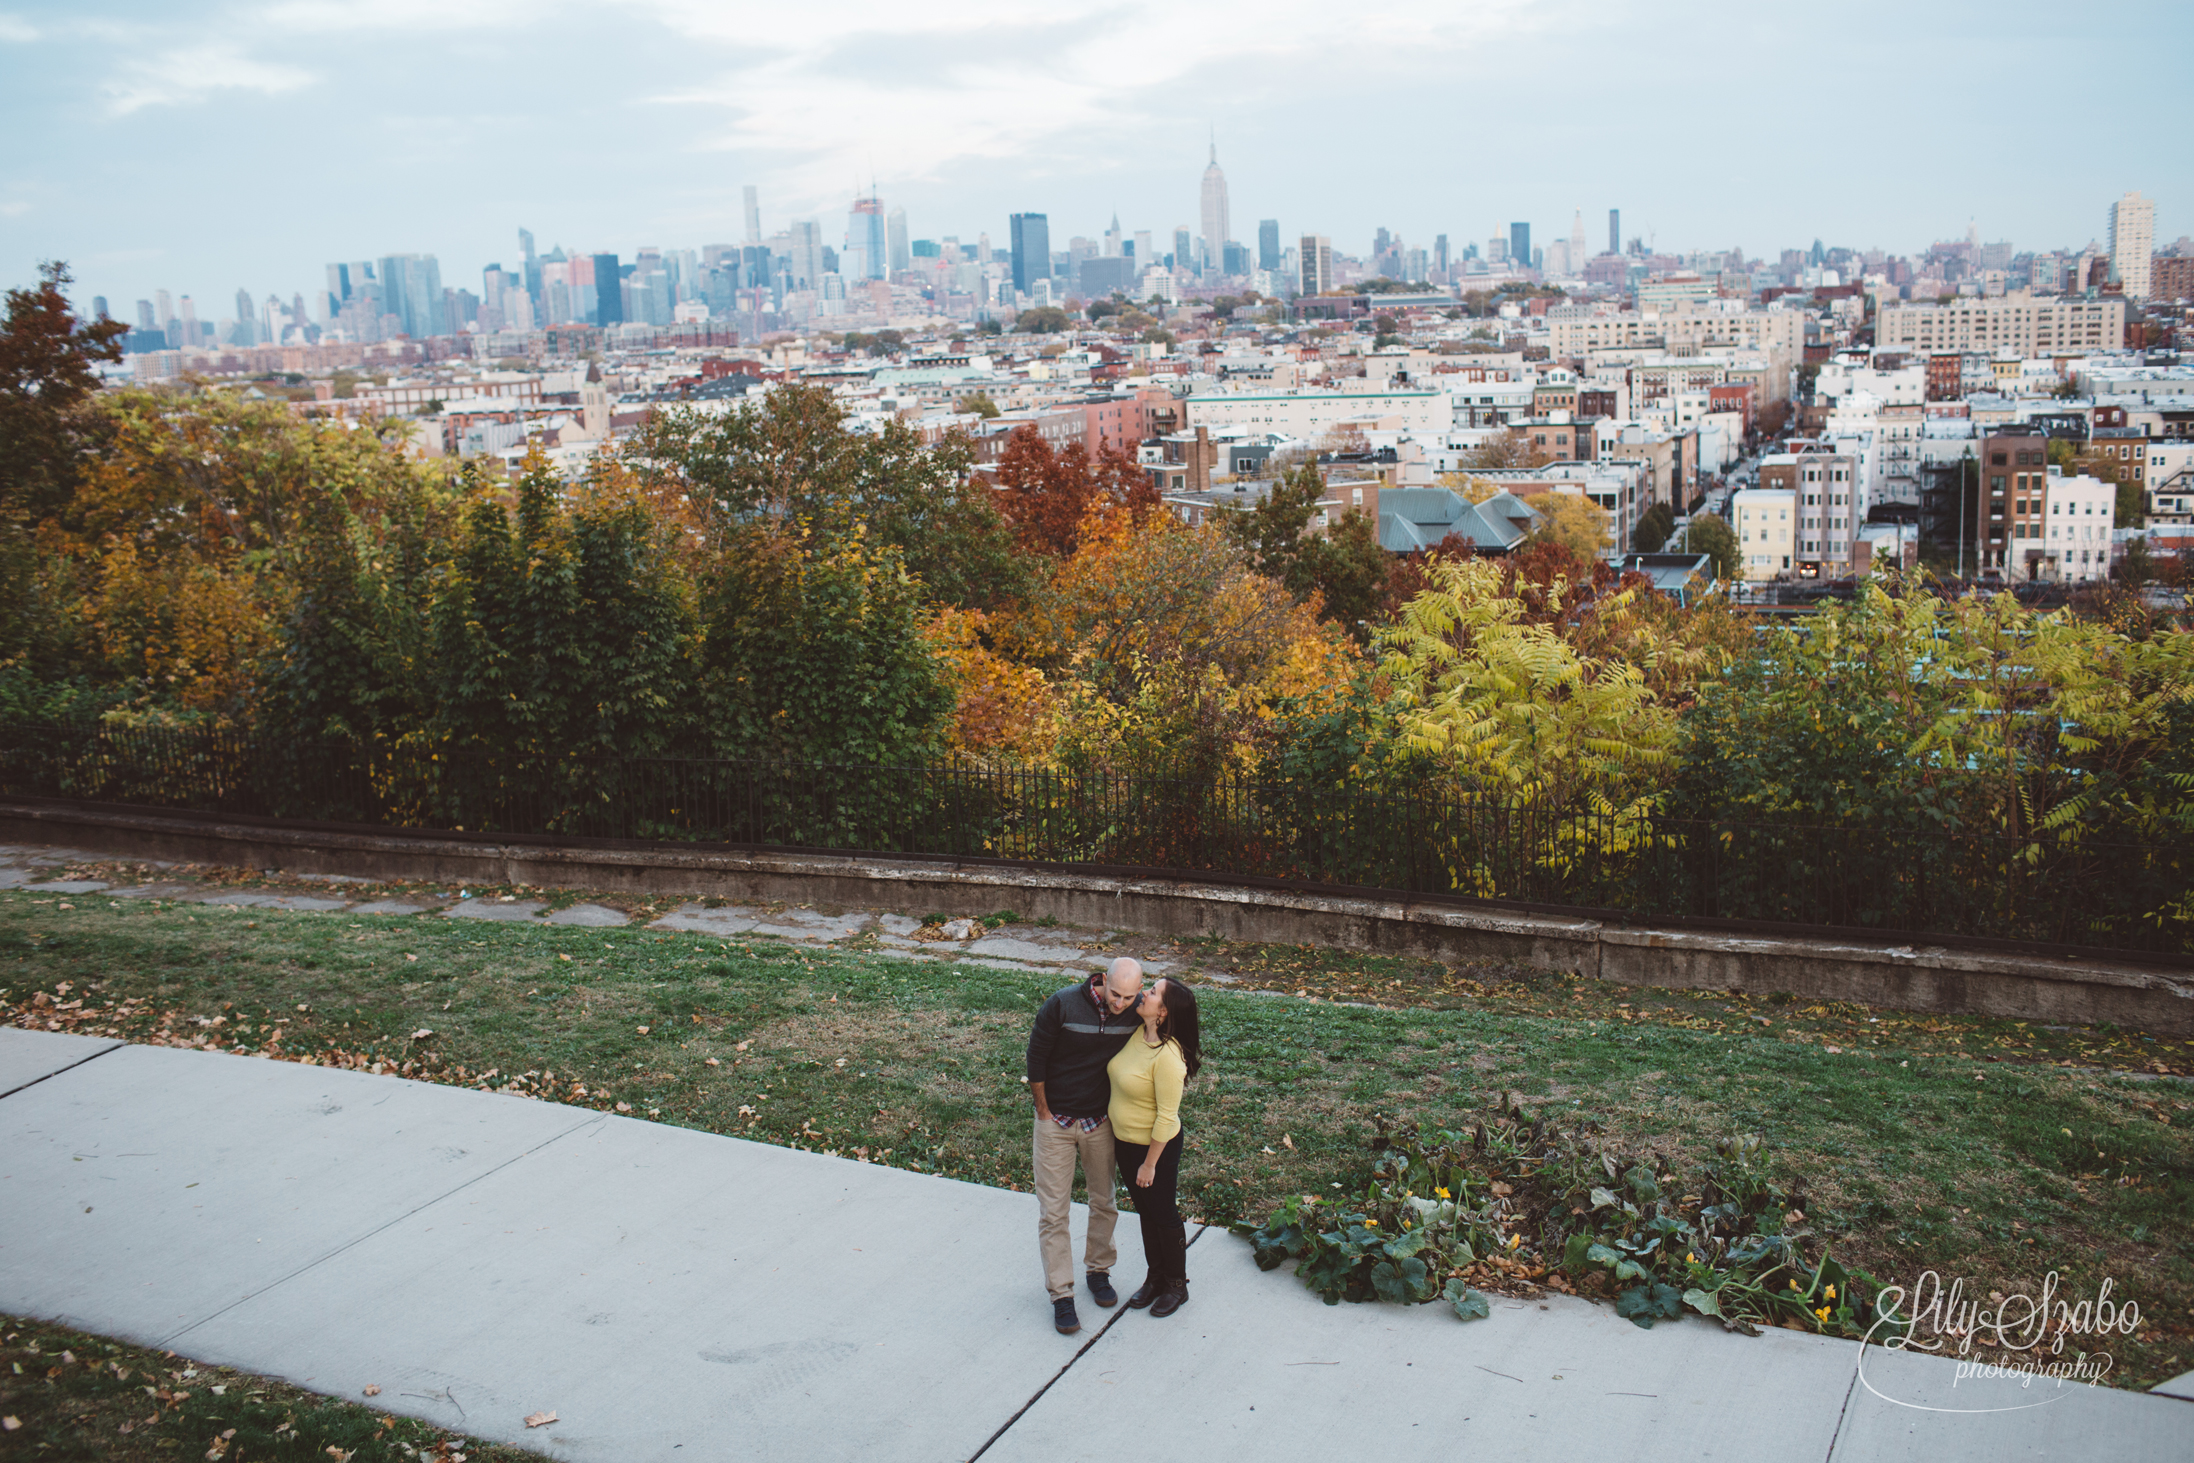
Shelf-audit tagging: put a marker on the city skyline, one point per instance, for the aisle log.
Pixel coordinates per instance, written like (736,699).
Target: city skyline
(407,128)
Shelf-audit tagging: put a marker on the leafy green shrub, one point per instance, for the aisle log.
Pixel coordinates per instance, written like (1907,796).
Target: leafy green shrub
(1518,1199)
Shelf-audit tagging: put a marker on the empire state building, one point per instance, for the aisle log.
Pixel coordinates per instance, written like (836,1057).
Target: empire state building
(1216,232)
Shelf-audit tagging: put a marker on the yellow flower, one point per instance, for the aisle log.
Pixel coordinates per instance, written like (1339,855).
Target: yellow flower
(1823,1314)
(1831,1292)
(1514,1240)
(1793,1284)
(1442,1193)
(1371,1224)
(1690,1258)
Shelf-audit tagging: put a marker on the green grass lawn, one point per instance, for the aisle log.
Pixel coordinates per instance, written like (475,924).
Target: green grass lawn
(1917,1142)
(72,1398)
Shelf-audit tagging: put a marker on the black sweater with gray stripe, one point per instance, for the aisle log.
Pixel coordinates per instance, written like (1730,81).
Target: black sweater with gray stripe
(1074,1038)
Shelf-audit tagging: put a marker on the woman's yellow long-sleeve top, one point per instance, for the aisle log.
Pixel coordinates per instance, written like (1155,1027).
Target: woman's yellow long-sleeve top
(1146,1091)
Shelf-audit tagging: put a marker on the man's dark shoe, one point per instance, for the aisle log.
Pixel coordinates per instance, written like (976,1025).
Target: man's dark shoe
(1149,1292)
(1170,1300)
(1101,1291)
(1062,1316)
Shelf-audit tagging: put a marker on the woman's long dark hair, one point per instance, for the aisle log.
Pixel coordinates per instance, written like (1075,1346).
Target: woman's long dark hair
(1179,1022)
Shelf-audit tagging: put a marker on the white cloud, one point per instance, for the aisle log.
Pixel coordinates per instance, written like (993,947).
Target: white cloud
(192,73)
(15,28)
(913,92)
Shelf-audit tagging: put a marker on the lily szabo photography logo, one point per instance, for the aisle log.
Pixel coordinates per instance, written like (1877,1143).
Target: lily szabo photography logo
(2039,1344)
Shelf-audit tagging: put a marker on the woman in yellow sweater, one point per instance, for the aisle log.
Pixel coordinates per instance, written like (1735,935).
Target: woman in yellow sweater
(1147,1078)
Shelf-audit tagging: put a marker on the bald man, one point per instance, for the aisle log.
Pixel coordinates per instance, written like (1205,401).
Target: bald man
(1079,1031)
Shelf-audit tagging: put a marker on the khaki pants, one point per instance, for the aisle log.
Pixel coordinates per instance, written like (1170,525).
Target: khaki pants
(1057,1149)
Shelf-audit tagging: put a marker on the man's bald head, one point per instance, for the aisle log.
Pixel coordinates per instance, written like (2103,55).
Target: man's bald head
(1123,983)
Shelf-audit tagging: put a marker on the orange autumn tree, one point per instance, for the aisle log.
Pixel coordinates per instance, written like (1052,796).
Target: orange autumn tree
(1165,650)
(179,547)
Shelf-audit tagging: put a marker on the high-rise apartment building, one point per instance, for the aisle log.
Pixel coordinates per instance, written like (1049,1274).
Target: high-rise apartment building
(145,320)
(1614,231)
(754,216)
(2132,240)
(1439,255)
(1317,264)
(1268,244)
(1184,250)
(1217,228)
(1519,245)
(1031,249)
(247,319)
(2029,325)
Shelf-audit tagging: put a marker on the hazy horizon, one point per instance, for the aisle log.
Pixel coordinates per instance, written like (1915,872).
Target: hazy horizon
(201,148)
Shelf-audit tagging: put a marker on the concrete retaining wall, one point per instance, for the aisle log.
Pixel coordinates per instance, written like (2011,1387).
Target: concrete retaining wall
(2031,987)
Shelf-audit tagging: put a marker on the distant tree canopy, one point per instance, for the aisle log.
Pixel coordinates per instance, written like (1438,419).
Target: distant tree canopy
(1711,535)
(1043,320)
(1652,529)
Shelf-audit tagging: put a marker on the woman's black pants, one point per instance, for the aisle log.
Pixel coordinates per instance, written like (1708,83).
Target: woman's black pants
(1165,1237)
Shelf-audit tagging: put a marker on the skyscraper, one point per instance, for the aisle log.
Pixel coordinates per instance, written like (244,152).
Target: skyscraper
(1317,264)
(2132,242)
(1614,231)
(532,267)
(609,291)
(411,290)
(145,320)
(1031,233)
(247,318)
(1577,242)
(1184,250)
(866,251)
(895,240)
(99,307)
(1519,245)
(754,216)
(1216,226)
(1268,244)
(804,254)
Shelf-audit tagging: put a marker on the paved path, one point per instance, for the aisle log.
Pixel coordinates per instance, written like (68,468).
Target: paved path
(669,1293)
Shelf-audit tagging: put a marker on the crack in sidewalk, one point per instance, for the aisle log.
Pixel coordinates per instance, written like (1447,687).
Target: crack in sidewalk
(357,1240)
(1084,1350)
(57,1071)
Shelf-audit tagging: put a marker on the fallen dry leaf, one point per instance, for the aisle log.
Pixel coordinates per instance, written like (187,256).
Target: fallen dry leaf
(642,1030)
(1503,1190)
(373,1389)
(624,1107)
(540,1419)
(10,1424)
(742,1046)
(713,1062)
(563,957)
(422,1033)
(1287,1141)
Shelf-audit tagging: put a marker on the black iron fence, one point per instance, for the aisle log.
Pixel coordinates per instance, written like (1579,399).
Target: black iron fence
(2049,887)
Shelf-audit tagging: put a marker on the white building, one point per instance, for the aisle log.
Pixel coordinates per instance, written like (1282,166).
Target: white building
(1764,519)
(1311,414)
(2081,512)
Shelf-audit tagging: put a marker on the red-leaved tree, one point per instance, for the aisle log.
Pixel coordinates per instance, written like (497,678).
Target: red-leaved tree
(1045,495)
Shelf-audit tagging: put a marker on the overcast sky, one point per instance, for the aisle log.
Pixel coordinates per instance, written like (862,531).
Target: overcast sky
(205,146)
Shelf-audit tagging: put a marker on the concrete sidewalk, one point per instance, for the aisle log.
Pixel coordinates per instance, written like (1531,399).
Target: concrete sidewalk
(481,1257)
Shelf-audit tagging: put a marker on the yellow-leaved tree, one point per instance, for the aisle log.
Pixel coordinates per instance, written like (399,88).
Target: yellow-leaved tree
(1524,720)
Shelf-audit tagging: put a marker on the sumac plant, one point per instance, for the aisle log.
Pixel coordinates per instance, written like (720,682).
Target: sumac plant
(1518,1200)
